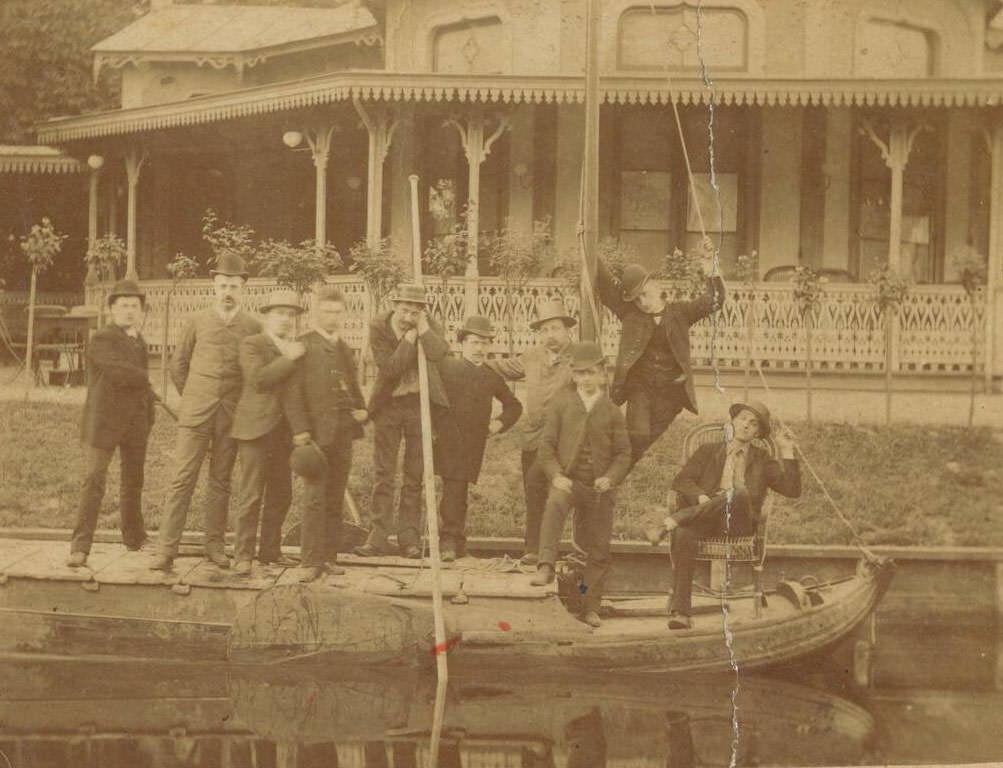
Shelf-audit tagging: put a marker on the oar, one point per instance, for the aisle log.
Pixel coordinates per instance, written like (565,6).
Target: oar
(431,511)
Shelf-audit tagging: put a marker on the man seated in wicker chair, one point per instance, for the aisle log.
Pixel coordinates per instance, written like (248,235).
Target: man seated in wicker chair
(720,492)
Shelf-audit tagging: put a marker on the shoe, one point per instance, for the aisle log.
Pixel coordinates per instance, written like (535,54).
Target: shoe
(655,533)
(217,558)
(162,563)
(282,561)
(371,550)
(592,619)
(530,558)
(412,552)
(311,573)
(679,621)
(447,555)
(144,544)
(334,569)
(242,568)
(544,575)
(76,559)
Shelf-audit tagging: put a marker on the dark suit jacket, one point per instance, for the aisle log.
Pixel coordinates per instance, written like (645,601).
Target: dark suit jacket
(119,404)
(393,357)
(264,371)
(637,328)
(462,429)
(702,475)
(324,375)
(565,428)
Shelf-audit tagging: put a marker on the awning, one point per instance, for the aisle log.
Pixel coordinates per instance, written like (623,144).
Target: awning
(36,159)
(512,89)
(232,35)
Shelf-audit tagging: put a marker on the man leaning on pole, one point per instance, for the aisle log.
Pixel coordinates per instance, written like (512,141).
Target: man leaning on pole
(205,368)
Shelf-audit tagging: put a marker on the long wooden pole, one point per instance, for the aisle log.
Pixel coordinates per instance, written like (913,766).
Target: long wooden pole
(590,175)
(431,509)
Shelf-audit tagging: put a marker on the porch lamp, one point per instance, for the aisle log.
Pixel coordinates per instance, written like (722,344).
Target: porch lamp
(292,139)
(95,162)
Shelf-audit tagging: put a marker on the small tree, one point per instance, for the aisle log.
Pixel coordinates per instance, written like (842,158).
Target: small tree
(971,268)
(299,267)
(808,298)
(381,269)
(748,273)
(227,238)
(516,256)
(103,258)
(890,290)
(614,254)
(686,273)
(180,268)
(447,255)
(40,246)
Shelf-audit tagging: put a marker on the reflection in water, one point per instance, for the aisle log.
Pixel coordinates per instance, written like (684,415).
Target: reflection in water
(58,714)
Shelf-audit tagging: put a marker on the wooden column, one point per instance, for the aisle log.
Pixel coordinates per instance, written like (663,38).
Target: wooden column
(476,147)
(994,265)
(95,163)
(133,165)
(320,146)
(381,126)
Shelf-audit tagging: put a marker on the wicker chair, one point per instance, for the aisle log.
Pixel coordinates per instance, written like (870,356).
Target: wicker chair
(719,550)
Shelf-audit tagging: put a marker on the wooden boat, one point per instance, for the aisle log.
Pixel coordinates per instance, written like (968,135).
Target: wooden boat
(381,612)
(144,710)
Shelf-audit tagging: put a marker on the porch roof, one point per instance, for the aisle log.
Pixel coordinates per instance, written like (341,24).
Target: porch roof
(36,159)
(221,35)
(512,89)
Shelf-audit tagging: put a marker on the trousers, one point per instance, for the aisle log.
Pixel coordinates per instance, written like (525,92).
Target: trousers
(453,511)
(398,420)
(652,405)
(324,500)
(720,516)
(132,457)
(535,486)
(212,437)
(593,532)
(264,491)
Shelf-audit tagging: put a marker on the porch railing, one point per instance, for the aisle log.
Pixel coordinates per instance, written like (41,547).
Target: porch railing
(761,321)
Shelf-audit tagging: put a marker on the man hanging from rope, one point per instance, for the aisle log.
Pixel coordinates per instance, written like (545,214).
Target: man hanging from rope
(653,373)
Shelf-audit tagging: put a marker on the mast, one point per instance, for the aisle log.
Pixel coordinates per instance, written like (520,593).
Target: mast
(589,238)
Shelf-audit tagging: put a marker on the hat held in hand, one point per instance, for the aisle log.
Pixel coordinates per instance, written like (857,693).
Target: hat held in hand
(308,461)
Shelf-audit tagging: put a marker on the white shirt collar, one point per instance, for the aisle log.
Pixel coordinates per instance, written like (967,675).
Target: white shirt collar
(331,337)
(227,317)
(590,401)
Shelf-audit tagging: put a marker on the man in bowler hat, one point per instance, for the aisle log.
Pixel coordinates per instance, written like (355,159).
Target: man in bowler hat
(118,413)
(393,405)
(264,485)
(653,374)
(585,454)
(463,428)
(546,370)
(205,368)
(720,492)
(324,404)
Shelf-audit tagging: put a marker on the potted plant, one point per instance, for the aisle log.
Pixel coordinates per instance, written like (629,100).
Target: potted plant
(748,273)
(516,256)
(971,268)
(40,246)
(890,290)
(808,299)
(381,269)
(103,258)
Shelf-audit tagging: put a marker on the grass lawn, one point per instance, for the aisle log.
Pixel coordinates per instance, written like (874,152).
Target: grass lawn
(900,485)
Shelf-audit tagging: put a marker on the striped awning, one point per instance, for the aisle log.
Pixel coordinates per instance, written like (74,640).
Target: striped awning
(36,159)
(381,86)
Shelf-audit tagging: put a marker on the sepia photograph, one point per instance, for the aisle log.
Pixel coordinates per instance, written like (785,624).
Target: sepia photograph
(501,383)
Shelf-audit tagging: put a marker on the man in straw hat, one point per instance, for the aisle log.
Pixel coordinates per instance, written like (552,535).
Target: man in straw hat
(585,454)
(393,406)
(464,427)
(324,405)
(720,491)
(118,413)
(205,368)
(653,373)
(546,369)
(264,486)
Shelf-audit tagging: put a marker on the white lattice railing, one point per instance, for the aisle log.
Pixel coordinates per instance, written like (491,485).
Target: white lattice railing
(760,321)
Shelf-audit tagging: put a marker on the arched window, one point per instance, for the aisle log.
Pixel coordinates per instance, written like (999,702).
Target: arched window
(470,47)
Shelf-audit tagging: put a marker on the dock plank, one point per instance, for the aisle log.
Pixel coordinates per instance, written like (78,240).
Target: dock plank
(13,551)
(134,568)
(205,574)
(48,562)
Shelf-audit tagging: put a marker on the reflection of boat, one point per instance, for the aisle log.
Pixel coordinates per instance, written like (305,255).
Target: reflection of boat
(202,712)
(382,611)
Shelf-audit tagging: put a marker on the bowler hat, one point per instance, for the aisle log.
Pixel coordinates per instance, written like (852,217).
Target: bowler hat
(633,280)
(551,308)
(410,293)
(761,411)
(283,298)
(308,461)
(477,325)
(586,354)
(229,264)
(126,288)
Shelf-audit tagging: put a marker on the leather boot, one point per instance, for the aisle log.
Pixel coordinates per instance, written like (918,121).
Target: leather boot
(544,575)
